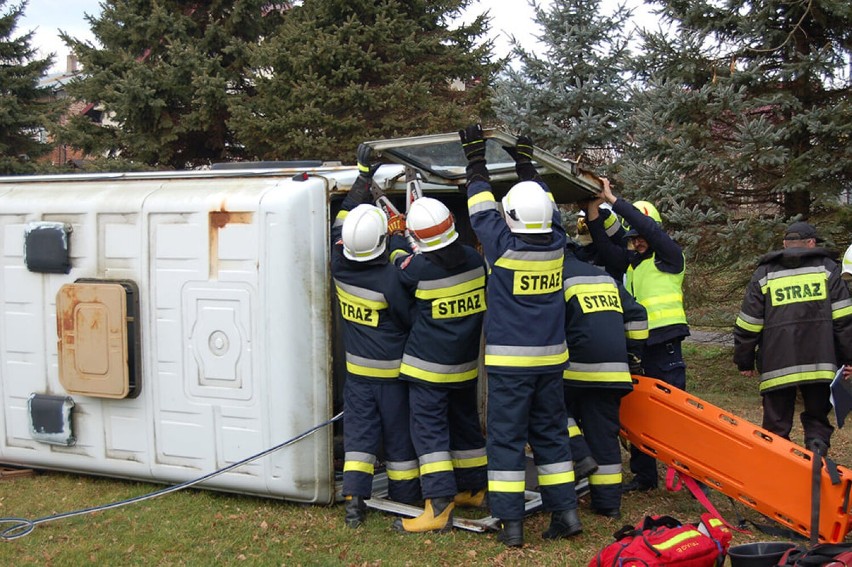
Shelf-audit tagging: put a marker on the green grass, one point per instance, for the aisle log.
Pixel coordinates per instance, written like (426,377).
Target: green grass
(195,527)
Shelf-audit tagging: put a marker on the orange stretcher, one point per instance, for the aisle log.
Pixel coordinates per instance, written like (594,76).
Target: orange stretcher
(763,471)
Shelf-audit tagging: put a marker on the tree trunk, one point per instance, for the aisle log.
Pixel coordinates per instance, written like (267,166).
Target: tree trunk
(797,203)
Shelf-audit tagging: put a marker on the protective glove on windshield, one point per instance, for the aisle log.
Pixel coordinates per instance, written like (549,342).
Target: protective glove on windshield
(473,144)
(360,191)
(522,153)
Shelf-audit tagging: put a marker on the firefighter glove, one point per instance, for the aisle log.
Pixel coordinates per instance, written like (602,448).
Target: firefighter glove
(360,191)
(473,143)
(396,224)
(364,157)
(522,151)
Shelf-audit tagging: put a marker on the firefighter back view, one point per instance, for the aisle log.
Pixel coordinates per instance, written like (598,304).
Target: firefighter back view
(376,313)
(794,330)
(605,328)
(441,361)
(655,269)
(525,349)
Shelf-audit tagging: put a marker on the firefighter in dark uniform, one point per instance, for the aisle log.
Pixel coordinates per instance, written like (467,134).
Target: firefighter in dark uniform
(655,268)
(795,328)
(585,250)
(441,362)
(376,312)
(588,251)
(605,328)
(525,349)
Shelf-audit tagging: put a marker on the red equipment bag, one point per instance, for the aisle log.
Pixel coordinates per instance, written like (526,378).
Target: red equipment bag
(664,541)
(828,554)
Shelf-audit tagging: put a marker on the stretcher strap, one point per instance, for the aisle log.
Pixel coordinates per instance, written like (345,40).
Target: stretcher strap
(674,482)
(816,477)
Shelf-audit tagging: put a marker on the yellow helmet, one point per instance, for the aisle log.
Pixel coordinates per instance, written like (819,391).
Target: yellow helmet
(648,210)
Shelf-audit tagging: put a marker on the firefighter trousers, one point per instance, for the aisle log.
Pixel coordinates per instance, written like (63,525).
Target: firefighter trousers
(375,414)
(597,413)
(779,407)
(663,361)
(526,408)
(448,438)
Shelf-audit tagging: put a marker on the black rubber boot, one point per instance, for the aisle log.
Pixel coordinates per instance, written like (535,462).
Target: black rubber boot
(356,511)
(511,533)
(608,512)
(584,467)
(563,524)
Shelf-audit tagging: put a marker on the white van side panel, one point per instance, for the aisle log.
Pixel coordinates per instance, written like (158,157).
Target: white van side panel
(234,322)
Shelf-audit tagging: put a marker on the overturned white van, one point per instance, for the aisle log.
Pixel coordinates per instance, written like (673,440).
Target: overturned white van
(160,326)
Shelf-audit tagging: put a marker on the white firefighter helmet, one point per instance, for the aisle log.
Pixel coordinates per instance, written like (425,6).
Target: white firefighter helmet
(431,224)
(364,233)
(528,209)
(847,264)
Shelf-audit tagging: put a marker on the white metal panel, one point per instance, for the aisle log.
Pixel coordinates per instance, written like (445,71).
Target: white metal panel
(235,327)
(27,306)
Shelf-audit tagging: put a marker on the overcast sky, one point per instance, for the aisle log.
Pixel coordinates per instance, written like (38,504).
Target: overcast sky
(46,17)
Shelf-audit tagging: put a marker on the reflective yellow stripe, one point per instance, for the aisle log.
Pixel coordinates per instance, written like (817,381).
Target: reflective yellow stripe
(568,374)
(664,314)
(556,478)
(452,290)
(574,431)
(480,198)
(637,335)
(438,466)
(679,538)
(746,326)
(358,466)
(661,293)
(509,360)
(372,372)
(354,299)
(470,463)
(795,378)
(506,486)
(605,479)
(437,377)
(397,253)
(530,265)
(658,299)
(844,312)
(409,474)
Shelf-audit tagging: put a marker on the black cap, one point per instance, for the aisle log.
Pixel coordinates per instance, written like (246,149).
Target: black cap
(801,231)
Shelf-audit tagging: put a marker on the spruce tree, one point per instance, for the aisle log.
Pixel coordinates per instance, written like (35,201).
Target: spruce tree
(569,92)
(745,109)
(25,108)
(163,73)
(338,72)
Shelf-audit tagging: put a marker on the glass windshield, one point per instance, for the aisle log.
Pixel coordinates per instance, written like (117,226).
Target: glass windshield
(447,158)
(440,159)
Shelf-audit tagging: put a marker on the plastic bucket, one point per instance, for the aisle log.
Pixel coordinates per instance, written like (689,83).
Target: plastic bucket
(758,554)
